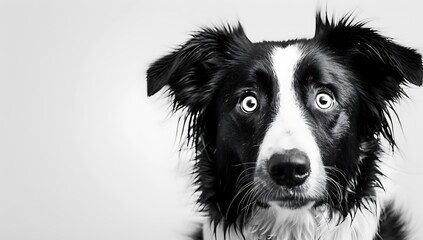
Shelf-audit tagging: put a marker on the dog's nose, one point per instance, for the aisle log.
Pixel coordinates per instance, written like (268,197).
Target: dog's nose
(290,168)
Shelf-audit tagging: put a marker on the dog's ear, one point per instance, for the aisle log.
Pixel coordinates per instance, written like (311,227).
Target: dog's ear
(380,68)
(383,63)
(191,72)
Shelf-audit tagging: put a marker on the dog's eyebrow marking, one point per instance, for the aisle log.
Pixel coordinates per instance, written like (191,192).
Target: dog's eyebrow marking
(285,61)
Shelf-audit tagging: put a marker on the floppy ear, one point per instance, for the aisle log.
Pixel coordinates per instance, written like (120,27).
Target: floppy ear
(191,72)
(371,53)
(379,66)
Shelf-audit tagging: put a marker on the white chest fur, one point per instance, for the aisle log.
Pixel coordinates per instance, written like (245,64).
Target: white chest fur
(305,224)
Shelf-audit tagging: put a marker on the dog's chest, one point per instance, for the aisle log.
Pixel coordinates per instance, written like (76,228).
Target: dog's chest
(304,225)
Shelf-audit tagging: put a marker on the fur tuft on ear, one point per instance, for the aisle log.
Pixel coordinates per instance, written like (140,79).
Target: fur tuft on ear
(380,67)
(191,71)
(366,45)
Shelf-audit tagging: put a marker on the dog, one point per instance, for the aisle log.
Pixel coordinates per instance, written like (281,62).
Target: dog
(289,136)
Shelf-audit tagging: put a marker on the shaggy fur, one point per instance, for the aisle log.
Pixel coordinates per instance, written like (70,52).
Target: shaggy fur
(217,68)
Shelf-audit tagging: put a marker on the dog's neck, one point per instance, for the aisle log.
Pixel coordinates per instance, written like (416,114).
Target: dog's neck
(276,223)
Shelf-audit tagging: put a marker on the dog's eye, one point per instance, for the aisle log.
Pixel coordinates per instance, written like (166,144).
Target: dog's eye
(324,100)
(249,104)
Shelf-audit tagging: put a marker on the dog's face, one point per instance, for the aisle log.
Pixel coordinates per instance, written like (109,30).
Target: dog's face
(293,124)
(282,118)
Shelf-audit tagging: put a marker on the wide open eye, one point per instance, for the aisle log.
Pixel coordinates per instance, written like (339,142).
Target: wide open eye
(249,104)
(324,100)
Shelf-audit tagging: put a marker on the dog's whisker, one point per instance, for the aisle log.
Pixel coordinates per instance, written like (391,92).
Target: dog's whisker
(336,169)
(244,164)
(243,176)
(248,185)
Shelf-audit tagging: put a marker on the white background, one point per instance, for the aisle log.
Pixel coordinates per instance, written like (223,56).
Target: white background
(85,155)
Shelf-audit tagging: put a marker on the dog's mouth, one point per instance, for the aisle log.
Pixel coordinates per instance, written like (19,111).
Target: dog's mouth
(291,203)
(290,199)
(296,197)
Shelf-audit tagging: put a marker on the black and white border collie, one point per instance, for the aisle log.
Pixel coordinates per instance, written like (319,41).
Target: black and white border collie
(288,135)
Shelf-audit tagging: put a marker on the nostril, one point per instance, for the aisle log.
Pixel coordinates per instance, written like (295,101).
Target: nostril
(302,171)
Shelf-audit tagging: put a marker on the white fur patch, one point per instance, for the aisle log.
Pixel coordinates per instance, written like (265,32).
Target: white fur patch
(290,129)
(303,224)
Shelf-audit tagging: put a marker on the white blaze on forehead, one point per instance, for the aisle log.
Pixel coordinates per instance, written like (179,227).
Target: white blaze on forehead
(284,62)
(289,128)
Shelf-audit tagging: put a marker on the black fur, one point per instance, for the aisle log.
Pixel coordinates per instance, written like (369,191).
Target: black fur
(380,67)
(210,73)
(392,225)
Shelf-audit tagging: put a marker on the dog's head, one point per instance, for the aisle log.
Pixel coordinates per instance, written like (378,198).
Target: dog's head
(295,123)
